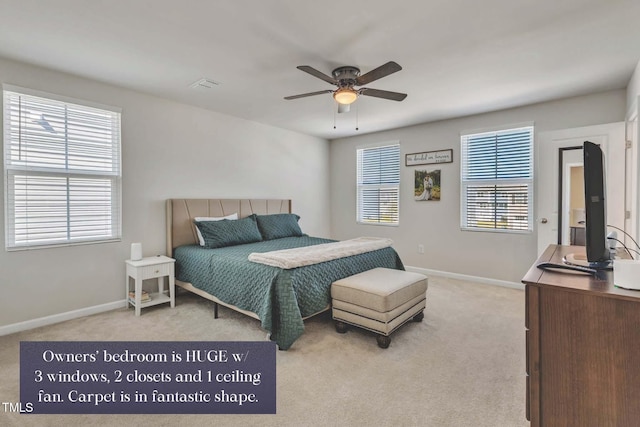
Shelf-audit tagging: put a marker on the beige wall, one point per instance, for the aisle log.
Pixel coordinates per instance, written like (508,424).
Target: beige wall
(436,225)
(633,90)
(168,150)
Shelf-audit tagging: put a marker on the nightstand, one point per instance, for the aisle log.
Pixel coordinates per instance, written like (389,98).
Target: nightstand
(151,268)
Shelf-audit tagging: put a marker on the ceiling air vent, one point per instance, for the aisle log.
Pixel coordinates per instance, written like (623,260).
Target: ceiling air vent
(204,83)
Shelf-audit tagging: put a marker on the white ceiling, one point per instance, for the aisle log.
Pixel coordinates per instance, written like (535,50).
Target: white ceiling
(459,57)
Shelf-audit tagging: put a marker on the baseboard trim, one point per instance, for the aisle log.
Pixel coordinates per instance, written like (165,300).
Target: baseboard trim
(476,279)
(57,318)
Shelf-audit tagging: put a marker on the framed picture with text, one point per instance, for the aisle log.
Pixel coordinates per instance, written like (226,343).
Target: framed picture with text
(429,157)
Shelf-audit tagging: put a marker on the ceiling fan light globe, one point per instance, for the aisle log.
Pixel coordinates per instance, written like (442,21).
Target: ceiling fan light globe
(345,96)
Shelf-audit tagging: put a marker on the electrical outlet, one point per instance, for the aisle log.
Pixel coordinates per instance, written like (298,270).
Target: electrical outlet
(420,249)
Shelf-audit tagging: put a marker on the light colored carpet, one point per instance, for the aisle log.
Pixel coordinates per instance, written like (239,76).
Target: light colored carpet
(464,365)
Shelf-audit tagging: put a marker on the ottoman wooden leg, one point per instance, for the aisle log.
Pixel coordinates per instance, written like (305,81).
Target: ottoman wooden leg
(418,317)
(383,341)
(341,327)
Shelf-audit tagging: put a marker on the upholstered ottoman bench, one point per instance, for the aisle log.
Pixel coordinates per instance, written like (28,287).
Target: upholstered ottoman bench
(380,300)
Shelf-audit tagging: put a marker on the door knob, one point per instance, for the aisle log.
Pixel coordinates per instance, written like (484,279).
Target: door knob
(544,220)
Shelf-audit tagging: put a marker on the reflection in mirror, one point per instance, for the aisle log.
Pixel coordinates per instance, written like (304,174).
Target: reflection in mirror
(571,229)
(576,206)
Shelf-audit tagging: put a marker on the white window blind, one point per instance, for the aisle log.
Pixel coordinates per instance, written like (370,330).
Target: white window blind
(497,180)
(378,185)
(62,172)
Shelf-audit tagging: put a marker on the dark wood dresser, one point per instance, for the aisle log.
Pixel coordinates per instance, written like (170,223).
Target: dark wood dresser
(583,348)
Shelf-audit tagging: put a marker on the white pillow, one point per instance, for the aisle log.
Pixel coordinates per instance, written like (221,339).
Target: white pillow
(211,218)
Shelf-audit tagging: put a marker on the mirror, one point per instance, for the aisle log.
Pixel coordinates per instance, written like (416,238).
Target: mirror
(571,229)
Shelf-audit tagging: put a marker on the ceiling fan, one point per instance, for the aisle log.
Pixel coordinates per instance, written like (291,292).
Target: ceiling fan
(345,78)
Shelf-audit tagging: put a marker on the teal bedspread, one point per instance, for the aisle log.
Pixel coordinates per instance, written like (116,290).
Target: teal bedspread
(281,298)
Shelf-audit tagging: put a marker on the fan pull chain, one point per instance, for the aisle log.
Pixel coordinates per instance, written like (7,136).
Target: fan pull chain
(357,116)
(335,107)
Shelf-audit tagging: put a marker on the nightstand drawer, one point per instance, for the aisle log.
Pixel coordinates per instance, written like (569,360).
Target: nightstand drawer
(157,270)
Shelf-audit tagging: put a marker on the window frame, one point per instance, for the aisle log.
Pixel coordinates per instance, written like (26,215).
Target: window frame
(89,172)
(360,186)
(466,182)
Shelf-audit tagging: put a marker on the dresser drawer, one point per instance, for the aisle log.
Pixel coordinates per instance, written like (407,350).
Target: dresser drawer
(528,400)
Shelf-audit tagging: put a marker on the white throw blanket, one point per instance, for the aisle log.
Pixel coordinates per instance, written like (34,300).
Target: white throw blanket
(308,255)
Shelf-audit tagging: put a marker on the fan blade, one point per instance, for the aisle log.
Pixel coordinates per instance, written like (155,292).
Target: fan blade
(318,74)
(394,96)
(303,95)
(378,73)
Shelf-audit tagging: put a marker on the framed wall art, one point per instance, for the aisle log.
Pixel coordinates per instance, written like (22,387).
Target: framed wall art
(427,185)
(429,157)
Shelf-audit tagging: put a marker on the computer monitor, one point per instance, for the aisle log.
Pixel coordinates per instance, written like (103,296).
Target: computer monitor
(598,254)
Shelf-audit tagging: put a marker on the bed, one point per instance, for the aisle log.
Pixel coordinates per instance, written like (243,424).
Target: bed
(280,298)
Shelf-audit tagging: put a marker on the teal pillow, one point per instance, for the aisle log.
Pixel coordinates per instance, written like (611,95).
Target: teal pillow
(229,232)
(277,226)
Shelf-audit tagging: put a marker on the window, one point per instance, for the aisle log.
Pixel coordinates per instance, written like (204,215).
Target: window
(497,180)
(62,171)
(379,185)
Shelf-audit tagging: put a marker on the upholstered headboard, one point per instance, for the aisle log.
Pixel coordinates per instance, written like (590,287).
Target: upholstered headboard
(180,213)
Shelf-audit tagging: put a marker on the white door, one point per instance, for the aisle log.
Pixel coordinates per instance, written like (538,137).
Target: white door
(548,144)
(632,205)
